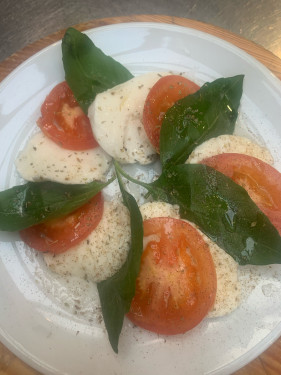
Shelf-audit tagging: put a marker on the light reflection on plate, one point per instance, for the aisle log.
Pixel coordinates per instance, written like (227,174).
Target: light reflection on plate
(54,324)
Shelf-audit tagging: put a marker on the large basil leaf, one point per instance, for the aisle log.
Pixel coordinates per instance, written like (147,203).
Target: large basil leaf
(209,112)
(88,71)
(34,202)
(117,292)
(223,210)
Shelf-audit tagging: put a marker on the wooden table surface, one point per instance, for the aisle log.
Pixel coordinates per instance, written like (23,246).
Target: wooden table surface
(269,362)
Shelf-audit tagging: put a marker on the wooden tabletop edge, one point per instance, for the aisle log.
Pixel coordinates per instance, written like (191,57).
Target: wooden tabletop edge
(267,58)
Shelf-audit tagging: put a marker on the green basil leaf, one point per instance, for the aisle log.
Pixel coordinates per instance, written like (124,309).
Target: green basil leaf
(88,71)
(223,210)
(209,112)
(117,292)
(34,202)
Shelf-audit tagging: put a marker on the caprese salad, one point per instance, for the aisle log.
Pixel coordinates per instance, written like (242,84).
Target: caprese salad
(172,261)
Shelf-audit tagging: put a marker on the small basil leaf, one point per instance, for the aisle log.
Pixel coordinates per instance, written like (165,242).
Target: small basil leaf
(209,112)
(88,71)
(224,211)
(117,292)
(34,202)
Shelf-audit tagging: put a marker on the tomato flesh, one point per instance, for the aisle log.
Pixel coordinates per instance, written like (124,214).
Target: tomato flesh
(64,122)
(60,234)
(259,179)
(162,96)
(176,286)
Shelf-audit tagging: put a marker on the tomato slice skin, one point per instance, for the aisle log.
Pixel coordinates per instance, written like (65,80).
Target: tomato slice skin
(162,96)
(259,179)
(64,122)
(59,235)
(176,286)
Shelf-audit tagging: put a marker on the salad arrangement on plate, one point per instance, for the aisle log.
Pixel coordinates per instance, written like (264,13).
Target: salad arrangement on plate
(232,198)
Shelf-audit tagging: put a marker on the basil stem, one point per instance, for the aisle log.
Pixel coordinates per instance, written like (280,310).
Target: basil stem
(222,209)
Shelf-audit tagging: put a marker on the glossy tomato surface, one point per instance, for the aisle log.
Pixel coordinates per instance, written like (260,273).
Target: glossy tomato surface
(176,286)
(261,180)
(63,120)
(58,235)
(162,96)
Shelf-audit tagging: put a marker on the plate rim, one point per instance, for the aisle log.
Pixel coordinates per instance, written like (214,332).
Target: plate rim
(228,36)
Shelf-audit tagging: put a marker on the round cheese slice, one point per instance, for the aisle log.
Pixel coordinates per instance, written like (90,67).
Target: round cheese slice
(116,119)
(42,159)
(102,253)
(229,144)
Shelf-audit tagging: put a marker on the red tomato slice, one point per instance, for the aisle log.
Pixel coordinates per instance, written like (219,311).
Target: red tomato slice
(64,122)
(58,235)
(262,182)
(176,286)
(163,95)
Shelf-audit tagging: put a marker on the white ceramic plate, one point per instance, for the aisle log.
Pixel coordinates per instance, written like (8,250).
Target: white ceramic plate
(53,324)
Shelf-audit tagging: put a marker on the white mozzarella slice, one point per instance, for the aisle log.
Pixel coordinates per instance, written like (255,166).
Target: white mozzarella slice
(102,253)
(159,209)
(228,286)
(116,119)
(229,144)
(42,159)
